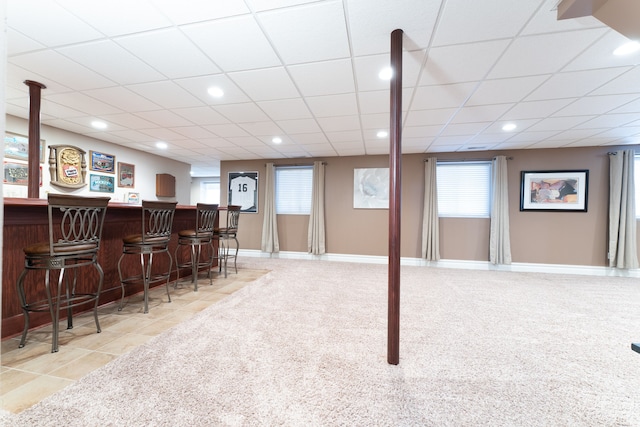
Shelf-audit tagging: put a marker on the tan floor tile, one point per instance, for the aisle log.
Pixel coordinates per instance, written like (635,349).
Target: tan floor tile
(10,379)
(130,324)
(30,351)
(179,316)
(156,328)
(215,297)
(49,361)
(125,344)
(83,365)
(32,392)
(232,287)
(93,340)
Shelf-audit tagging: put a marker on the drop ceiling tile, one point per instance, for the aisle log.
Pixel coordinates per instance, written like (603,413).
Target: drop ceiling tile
(162,134)
(442,96)
(200,10)
(299,126)
(178,57)
(133,135)
(198,87)
(464,128)
(630,107)
(320,150)
(266,84)
(503,91)
(128,120)
(214,142)
(60,69)
(367,69)
(163,118)
(600,54)
(193,132)
(240,34)
(480,113)
(19,43)
(375,121)
(536,109)
(107,17)
(285,109)
(84,103)
(323,78)
(378,102)
(69,28)
(309,138)
(522,124)
(532,137)
(591,105)
(333,105)
(262,128)
(227,130)
(85,121)
(609,120)
(341,123)
(167,94)
(461,63)
(579,83)
(429,117)
(201,115)
(626,82)
(420,131)
(188,144)
(344,136)
(118,96)
(349,151)
(54,109)
(558,123)
(262,5)
(372,21)
(307,33)
(497,19)
(524,57)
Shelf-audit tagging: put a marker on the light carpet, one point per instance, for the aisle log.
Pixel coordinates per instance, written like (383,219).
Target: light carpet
(306,345)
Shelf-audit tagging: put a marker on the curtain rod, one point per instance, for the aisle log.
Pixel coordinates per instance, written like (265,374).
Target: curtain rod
(294,164)
(466,160)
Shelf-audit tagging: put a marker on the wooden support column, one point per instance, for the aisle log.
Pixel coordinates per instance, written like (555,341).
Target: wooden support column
(33,185)
(395,190)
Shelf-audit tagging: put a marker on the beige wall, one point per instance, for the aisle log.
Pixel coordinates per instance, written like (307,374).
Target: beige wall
(573,238)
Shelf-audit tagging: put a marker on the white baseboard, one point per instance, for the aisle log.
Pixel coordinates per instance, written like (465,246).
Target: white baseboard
(449,263)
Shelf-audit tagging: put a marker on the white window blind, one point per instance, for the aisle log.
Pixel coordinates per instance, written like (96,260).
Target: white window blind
(210,192)
(293,189)
(464,189)
(636,172)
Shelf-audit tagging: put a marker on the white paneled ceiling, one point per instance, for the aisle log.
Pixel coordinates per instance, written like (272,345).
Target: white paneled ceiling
(306,71)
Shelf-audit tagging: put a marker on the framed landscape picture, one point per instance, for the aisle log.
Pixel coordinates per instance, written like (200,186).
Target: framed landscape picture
(561,190)
(17,147)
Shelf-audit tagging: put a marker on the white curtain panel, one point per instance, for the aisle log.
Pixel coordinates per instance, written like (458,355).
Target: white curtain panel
(500,243)
(623,251)
(316,235)
(270,224)
(430,222)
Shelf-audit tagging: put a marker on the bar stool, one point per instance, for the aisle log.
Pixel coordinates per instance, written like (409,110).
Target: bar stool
(75,229)
(224,236)
(157,222)
(202,235)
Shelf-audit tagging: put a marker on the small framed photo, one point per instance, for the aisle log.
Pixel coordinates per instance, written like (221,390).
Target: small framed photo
(562,190)
(101,183)
(133,198)
(126,175)
(243,190)
(101,162)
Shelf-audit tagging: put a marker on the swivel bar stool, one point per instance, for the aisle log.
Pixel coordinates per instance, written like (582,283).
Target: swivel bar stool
(157,222)
(75,229)
(225,235)
(195,239)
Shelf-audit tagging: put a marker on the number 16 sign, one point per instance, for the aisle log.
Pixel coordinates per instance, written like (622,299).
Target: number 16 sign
(243,190)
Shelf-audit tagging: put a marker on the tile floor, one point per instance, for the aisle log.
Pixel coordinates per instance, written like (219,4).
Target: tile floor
(31,373)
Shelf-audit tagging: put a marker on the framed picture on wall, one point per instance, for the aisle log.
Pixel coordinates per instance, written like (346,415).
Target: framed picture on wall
(126,175)
(101,183)
(16,173)
(562,190)
(243,190)
(17,147)
(101,162)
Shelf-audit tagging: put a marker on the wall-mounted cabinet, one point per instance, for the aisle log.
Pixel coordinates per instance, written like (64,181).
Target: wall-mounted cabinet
(165,185)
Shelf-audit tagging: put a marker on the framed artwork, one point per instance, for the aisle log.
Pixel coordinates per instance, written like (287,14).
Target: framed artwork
(562,190)
(101,162)
(67,166)
(126,175)
(16,173)
(243,190)
(371,188)
(17,147)
(101,183)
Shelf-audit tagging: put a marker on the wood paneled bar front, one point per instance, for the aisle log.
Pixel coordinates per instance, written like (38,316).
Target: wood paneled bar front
(26,222)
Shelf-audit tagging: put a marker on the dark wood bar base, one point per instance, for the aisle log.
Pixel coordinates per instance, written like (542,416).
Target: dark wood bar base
(25,222)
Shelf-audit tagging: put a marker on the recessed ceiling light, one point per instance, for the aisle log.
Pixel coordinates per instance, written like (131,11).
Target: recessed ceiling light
(382,134)
(386,73)
(509,127)
(215,91)
(98,124)
(276,140)
(161,145)
(627,48)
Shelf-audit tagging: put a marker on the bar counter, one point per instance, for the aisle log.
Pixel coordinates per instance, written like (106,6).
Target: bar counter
(26,222)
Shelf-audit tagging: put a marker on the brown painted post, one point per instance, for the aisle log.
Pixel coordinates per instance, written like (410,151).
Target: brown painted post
(395,190)
(33,185)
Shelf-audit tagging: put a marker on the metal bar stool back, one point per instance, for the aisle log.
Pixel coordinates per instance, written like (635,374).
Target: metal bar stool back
(157,223)
(75,230)
(225,235)
(195,239)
